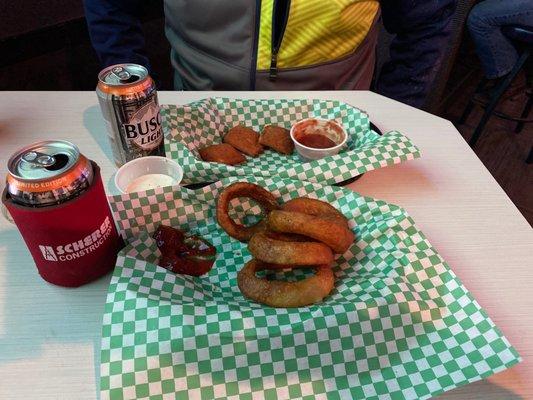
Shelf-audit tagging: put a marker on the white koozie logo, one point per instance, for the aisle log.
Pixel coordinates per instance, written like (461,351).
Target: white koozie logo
(48,253)
(79,248)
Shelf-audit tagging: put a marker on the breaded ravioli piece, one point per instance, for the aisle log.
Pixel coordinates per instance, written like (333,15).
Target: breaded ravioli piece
(222,153)
(244,139)
(277,138)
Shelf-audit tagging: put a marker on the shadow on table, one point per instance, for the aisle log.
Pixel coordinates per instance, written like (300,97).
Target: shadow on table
(36,313)
(479,391)
(95,125)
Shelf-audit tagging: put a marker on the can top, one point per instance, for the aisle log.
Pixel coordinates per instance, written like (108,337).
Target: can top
(43,160)
(122,74)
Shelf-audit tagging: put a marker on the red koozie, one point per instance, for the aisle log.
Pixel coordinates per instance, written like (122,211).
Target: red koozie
(71,243)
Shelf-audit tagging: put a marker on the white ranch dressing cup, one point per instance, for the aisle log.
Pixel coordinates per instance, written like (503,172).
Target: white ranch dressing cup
(147,173)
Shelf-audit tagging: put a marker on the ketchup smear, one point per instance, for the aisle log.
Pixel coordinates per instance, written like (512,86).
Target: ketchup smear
(317,141)
(184,254)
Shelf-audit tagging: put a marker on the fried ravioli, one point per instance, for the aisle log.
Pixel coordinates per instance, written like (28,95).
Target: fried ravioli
(222,153)
(277,138)
(244,139)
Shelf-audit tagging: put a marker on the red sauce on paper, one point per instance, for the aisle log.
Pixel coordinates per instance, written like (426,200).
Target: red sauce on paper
(317,141)
(184,254)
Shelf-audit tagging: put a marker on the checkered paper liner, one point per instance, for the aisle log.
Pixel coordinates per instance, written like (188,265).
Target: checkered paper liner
(398,324)
(193,126)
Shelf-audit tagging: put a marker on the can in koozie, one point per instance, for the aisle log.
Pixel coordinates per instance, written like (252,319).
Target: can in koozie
(56,197)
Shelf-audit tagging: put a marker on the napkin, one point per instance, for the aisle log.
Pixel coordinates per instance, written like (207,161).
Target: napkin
(398,324)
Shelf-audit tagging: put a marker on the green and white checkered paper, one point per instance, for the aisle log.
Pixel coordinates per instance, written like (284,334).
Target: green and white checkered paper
(193,126)
(398,324)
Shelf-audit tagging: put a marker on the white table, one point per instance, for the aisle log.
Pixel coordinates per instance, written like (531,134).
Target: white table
(49,336)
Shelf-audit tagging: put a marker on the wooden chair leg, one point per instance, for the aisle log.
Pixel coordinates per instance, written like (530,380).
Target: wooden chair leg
(500,90)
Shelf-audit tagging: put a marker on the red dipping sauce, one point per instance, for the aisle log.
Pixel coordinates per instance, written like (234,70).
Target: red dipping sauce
(184,254)
(317,141)
(317,133)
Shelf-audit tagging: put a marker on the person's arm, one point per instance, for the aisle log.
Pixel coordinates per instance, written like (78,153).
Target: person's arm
(422,29)
(116,32)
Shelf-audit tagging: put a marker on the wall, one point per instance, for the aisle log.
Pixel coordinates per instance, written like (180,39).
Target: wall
(46,46)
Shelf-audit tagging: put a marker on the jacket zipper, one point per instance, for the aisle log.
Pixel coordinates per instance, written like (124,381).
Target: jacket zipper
(280,17)
(253,67)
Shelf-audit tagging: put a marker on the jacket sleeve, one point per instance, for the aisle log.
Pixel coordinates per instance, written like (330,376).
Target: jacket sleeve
(115,31)
(422,29)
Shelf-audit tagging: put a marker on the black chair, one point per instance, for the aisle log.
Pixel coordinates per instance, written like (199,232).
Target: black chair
(523,38)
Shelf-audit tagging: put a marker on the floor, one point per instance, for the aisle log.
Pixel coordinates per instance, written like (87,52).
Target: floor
(501,150)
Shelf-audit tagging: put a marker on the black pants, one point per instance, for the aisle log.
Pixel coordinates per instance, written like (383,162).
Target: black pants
(422,30)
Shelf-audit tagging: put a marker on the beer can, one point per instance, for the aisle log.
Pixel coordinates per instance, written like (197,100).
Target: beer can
(56,198)
(47,173)
(128,100)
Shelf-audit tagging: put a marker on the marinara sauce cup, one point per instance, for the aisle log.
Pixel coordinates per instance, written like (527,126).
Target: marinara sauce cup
(331,129)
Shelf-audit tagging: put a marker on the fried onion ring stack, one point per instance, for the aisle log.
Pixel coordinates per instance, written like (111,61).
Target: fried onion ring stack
(302,233)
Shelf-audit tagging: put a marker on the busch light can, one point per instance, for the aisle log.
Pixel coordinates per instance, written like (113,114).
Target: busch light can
(128,100)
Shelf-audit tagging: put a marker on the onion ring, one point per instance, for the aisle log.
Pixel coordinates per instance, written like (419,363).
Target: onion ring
(286,237)
(274,251)
(337,237)
(266,200)
(315,207)
(284,294)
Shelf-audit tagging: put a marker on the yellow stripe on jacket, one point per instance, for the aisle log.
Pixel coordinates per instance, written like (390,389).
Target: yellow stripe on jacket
(317,31)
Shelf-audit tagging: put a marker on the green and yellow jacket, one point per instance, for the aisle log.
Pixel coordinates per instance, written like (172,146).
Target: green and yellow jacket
(272,44)
(247,44)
